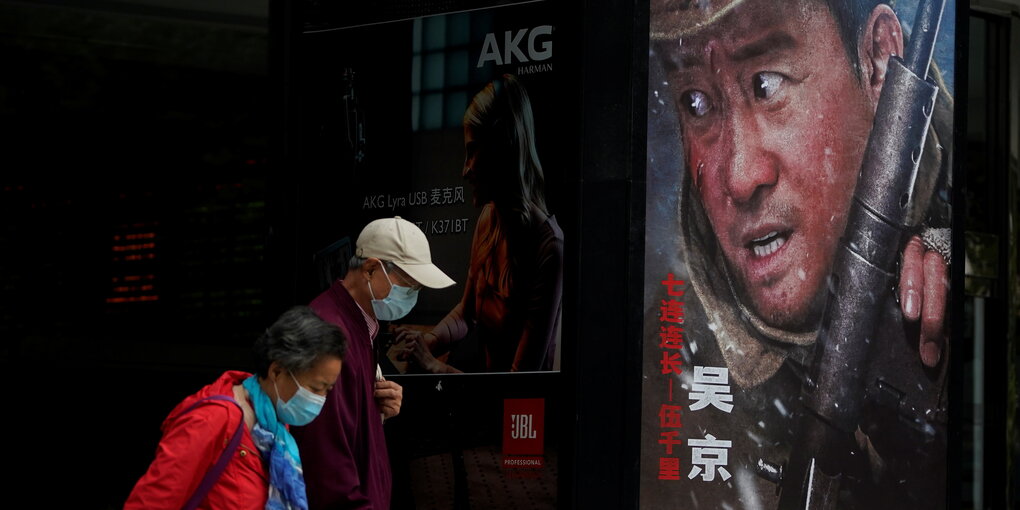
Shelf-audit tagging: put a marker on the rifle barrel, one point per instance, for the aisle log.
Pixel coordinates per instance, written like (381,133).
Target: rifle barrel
(922,36)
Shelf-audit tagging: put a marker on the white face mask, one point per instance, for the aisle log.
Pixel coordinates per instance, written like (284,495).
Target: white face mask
(302,408)
(397,304)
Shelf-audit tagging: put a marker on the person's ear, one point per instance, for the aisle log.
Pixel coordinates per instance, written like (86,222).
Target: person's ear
(370,266)
(274,371)
(881,39)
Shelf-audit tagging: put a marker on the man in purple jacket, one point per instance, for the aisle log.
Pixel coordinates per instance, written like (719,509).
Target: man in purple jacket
(343,451)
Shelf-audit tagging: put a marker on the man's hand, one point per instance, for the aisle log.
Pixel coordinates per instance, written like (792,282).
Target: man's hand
(924,291)
(388,395)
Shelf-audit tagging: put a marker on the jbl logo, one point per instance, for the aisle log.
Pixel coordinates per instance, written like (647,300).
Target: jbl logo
(522,426)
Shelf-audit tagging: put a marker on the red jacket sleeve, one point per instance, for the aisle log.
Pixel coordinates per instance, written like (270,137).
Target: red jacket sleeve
(190,446)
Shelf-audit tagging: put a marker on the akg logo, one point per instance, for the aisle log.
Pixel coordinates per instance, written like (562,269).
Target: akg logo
(539,46)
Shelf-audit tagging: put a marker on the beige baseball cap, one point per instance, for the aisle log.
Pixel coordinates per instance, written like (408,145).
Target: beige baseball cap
(404,244)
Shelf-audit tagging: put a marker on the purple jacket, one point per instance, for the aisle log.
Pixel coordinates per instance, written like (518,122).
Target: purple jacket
(343,451)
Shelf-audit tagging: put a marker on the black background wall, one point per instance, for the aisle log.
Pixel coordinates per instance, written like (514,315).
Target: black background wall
(144,201)
(133,224)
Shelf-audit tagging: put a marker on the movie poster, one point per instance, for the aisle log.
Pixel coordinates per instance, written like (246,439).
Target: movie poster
(796,337)
(451,117)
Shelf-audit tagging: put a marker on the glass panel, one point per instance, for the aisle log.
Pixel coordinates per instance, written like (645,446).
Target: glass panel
(456,103)
(432,111)
(435,33)
(457,68)
(458,29)
(416,31)
(434,66)
(416,74)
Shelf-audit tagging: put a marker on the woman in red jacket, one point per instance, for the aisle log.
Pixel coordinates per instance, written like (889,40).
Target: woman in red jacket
(228,445)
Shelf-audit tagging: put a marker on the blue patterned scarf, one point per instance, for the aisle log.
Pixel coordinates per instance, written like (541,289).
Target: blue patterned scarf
(286,481)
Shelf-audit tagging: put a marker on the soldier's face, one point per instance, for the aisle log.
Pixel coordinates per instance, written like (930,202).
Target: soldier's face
(774,125)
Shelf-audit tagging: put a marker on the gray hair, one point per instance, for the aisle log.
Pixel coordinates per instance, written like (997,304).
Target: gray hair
(356,262)
(297,340)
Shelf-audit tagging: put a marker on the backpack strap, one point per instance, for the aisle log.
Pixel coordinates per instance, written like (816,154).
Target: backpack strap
(214,472)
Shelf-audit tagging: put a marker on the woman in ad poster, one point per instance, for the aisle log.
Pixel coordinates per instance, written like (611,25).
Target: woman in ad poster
(766,113)
(512,295)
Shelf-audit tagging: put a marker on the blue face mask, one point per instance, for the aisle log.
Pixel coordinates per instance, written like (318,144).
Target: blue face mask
(397,304)
(302,408)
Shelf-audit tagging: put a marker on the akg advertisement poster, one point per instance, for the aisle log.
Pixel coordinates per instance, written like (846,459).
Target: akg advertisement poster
(447,121)
(796,337)
(452,121)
